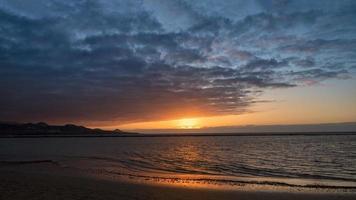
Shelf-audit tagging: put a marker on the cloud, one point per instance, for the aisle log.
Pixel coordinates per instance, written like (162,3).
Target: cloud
(102,61)
(173,15)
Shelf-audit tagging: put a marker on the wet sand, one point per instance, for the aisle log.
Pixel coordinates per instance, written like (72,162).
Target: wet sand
(19,184)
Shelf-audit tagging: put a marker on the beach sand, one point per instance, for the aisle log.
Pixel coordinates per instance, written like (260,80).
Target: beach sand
(18,183)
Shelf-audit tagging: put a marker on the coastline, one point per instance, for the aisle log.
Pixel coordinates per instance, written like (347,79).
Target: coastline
(49,181)
(144,135)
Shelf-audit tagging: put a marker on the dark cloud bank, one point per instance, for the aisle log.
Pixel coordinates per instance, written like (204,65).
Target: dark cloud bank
(123,61)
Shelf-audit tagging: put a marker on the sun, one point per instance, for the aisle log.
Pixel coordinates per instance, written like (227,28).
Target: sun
(190,123)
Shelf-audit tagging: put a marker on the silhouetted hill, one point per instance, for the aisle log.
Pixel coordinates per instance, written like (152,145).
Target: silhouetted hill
(43,129)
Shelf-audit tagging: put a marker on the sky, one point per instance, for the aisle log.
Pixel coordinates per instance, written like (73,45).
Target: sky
(177,63)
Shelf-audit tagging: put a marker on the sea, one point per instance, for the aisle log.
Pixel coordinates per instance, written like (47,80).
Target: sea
(292,160)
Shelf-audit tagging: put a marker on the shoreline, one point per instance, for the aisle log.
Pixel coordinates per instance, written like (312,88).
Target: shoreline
(144,135)
(179,180)
(26,185)
(49,181)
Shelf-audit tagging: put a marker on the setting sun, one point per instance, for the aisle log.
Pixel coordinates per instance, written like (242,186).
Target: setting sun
(188,123)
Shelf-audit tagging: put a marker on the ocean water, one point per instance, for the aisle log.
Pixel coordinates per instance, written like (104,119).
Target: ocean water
(328,160)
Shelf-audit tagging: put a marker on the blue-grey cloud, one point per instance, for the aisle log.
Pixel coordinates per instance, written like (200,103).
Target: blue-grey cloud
(99,61)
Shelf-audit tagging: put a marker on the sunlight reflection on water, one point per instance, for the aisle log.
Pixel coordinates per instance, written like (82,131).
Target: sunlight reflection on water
(276,159)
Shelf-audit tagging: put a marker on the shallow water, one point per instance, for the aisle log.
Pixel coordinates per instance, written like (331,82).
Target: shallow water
(293,160)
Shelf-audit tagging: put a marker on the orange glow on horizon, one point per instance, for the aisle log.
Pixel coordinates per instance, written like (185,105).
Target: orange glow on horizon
(293,106)
(189,123)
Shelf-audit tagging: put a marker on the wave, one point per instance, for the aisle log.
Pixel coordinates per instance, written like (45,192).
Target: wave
(230,182)
(159,174)
(221,170)
(24,162)
(145,170)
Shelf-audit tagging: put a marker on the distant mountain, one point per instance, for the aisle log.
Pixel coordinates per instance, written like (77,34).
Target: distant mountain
(43,129)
